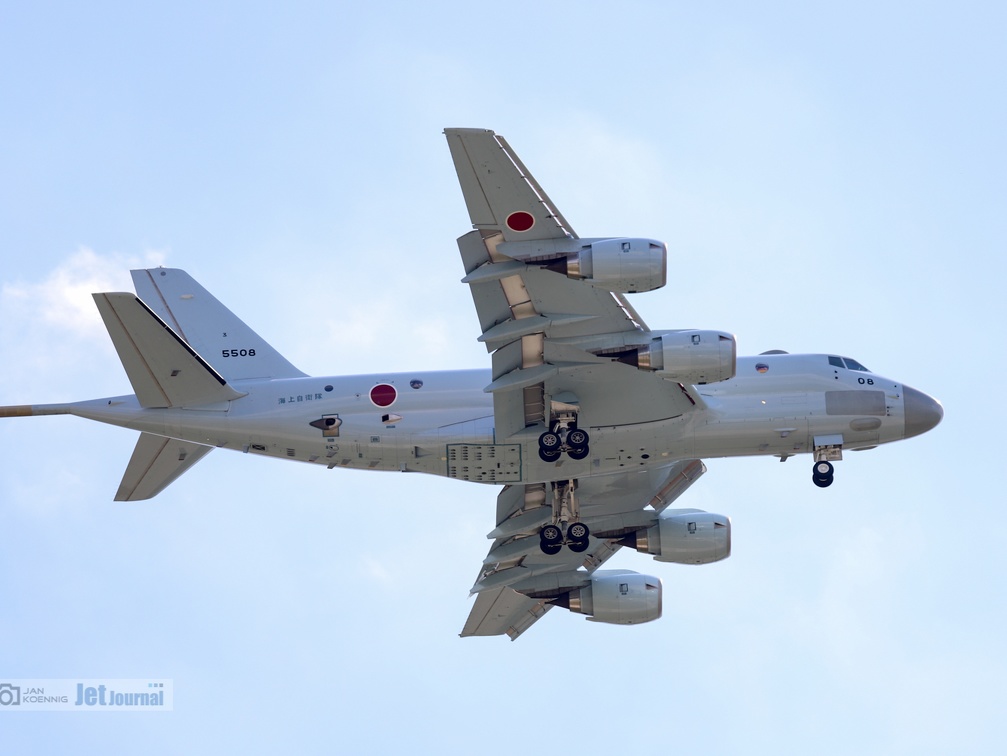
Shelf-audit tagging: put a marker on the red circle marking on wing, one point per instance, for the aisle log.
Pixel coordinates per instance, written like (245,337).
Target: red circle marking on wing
(520,221)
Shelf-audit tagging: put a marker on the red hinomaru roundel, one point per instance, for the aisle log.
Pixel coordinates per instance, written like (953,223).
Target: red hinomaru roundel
(384,395)
(520,221)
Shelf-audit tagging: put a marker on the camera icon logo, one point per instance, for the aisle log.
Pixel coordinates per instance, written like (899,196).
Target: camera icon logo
(10,695)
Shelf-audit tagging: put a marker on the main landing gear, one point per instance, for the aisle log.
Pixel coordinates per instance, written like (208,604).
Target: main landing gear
(564,437)
(565,529)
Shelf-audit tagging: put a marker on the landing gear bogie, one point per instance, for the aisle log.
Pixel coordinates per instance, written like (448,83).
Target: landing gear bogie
(563,435)
(552,444)
(552,540)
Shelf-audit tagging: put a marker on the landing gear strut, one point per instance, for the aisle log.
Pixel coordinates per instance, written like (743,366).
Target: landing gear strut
(828,449)
(566,528)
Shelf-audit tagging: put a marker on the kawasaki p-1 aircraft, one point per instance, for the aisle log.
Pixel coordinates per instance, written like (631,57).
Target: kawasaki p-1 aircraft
(592,423)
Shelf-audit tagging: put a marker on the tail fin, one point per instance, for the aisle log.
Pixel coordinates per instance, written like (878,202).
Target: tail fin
(236,351)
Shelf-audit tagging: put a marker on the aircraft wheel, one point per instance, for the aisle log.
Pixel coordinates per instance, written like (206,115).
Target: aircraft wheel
(549,441)
(548,456)
(550,534)
(578,531)
(579,453)
(550,548)
(822,481)
(577,438)
(578,546)
(824,469)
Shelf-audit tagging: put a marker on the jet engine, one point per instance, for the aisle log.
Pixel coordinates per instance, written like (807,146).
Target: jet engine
(619,264)
(696,357)
(616,597)
(625,265)
(685,536)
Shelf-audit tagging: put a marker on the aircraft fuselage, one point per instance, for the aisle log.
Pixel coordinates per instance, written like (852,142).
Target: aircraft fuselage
(441,422)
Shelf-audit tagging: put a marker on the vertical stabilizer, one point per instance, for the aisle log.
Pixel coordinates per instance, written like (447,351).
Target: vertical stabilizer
(235,350)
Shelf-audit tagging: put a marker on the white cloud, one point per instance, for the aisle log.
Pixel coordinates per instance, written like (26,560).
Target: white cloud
(50,328)
(63,298)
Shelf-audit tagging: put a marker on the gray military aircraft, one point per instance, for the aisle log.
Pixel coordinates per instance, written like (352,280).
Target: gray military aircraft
(592,423)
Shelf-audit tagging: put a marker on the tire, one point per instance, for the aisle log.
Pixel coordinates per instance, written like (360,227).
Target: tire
(550,534)
(822,481)
(549,441)
(578,438)
(579,453)
(548,456)
(824,469)
(550,548)
(578,531)
(578,546)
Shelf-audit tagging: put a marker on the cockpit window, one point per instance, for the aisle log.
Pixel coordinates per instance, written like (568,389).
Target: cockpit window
(854,365)
(846,362)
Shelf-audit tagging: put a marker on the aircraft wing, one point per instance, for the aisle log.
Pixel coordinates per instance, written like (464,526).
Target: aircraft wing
(559,344)
(549,334)
(515,569)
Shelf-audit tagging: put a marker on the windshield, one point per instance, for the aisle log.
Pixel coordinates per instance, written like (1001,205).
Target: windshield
(847,363)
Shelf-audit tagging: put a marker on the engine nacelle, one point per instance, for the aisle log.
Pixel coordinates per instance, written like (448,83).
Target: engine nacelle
(686,536)
(617,264)
(624,265)
(692,356)
(618,597)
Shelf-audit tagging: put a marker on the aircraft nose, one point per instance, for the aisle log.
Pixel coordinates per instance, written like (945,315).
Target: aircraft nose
(922,412)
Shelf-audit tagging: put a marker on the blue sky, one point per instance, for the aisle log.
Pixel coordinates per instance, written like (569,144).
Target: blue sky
(826,179)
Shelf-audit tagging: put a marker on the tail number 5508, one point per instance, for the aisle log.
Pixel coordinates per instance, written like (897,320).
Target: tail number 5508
(237,352)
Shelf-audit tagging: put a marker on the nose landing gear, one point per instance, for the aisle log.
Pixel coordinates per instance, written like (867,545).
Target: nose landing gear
(822,474)
(828,449)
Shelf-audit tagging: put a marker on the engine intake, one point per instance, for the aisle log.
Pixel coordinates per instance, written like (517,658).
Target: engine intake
(617,597)
(692,356)
(685,536)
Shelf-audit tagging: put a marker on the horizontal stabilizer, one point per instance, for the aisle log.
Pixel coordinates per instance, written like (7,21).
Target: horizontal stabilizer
(156,463)
(163,370)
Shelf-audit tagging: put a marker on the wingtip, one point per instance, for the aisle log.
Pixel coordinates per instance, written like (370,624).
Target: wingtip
(448,130)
